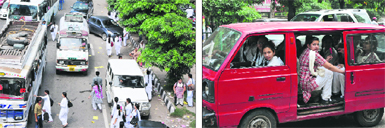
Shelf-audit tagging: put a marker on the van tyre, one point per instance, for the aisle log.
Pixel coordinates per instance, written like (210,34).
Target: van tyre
(369,118)
(259,119)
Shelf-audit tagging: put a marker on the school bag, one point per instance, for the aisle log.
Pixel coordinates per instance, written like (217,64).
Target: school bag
(69,103)
(46,116)
(51,101)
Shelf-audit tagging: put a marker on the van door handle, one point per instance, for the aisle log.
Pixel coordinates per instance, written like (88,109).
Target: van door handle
(351,77)
(281,78)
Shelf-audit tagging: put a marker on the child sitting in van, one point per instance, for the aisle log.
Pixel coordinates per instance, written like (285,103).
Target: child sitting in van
(269,55)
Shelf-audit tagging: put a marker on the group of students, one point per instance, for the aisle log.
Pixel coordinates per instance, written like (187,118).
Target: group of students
(45,110)
(263,53)
(325,70)
(179,89)
(127,117)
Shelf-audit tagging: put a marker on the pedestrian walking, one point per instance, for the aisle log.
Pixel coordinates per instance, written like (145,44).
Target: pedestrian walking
(118,44)
(190,90)
(116,99)
(64,110)
(47,105)
(116,18)
(109,45)
(97,96)
(117,118)
(134,115)
(179,89)
(97,79)
(148,82)
(61,2)
(38,113)
(142,45)
(125,37)
(53,30)
(128,110)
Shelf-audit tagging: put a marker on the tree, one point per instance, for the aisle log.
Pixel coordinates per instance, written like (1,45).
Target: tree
(272,9)
(171,45)
(218,12)
(298,6)
(134,12)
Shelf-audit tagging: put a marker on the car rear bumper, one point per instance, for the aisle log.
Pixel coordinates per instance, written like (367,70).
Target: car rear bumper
(76,68)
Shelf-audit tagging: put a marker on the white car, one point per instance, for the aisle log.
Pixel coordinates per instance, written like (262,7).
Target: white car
(126,80)
(4,11)
(336,15)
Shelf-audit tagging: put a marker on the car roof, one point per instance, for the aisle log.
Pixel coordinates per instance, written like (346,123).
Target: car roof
(125,67)
(101,17)
(297,26)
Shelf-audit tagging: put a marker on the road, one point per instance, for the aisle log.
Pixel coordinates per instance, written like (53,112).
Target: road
(77,85)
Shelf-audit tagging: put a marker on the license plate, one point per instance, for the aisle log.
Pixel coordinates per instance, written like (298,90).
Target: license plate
(72,67)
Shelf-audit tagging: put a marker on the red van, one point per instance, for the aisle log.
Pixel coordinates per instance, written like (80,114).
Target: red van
(238,93)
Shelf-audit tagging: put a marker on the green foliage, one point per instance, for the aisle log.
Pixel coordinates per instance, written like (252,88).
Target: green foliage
(193,124)
(180,112)
(134,12)
(306,5)
(375,8)
(171,45)
(218,12)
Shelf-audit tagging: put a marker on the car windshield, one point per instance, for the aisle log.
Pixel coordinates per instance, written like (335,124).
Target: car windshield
(306,17)
(109,23)
(128,81)
(80,6)
(217,47)
(11,88)
(28,11)
(5,5)
(73,43)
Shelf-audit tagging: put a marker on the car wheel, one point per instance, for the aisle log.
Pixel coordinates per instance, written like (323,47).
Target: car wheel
(369,118)
(57,72)
(259,119)
(104,36)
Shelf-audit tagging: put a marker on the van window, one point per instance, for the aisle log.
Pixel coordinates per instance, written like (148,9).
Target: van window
(128,81)
(252,53)
(217,47)
(344,18)
(367,48)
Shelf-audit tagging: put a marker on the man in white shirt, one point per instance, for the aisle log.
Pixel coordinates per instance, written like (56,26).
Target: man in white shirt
(53,30)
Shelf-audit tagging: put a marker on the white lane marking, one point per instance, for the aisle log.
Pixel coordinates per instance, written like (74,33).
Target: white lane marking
(92,50)
(105,116)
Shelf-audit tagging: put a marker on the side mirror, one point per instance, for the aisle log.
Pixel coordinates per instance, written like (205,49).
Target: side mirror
(110,83)
(58,45)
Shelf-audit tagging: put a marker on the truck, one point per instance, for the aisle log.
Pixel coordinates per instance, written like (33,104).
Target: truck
(72,51)
(22,64)
(32,10)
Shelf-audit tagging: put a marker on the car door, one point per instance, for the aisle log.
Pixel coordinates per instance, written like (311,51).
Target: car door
(255,87)
(108,79)
(91,24)
(364,78)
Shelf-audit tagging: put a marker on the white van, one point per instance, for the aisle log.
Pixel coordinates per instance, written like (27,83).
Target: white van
(126,80)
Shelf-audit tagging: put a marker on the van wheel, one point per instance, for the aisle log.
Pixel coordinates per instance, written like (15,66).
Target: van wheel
(369,118)
(259,119)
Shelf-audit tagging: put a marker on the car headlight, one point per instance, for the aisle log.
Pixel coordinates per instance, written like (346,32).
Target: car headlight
(60,61)
(83,63)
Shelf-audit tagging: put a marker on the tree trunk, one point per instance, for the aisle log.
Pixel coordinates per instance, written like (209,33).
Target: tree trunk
(342,4)
(272,9)
(291,10)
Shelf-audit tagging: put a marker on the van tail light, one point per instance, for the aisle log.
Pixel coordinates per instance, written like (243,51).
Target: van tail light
(86,62)
(24,106)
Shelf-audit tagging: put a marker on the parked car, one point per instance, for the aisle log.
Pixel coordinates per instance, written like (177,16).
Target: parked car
(270,20)
(4,10)
(124,79)
(151,124)
(83,7)
(104,26)
(339,15)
